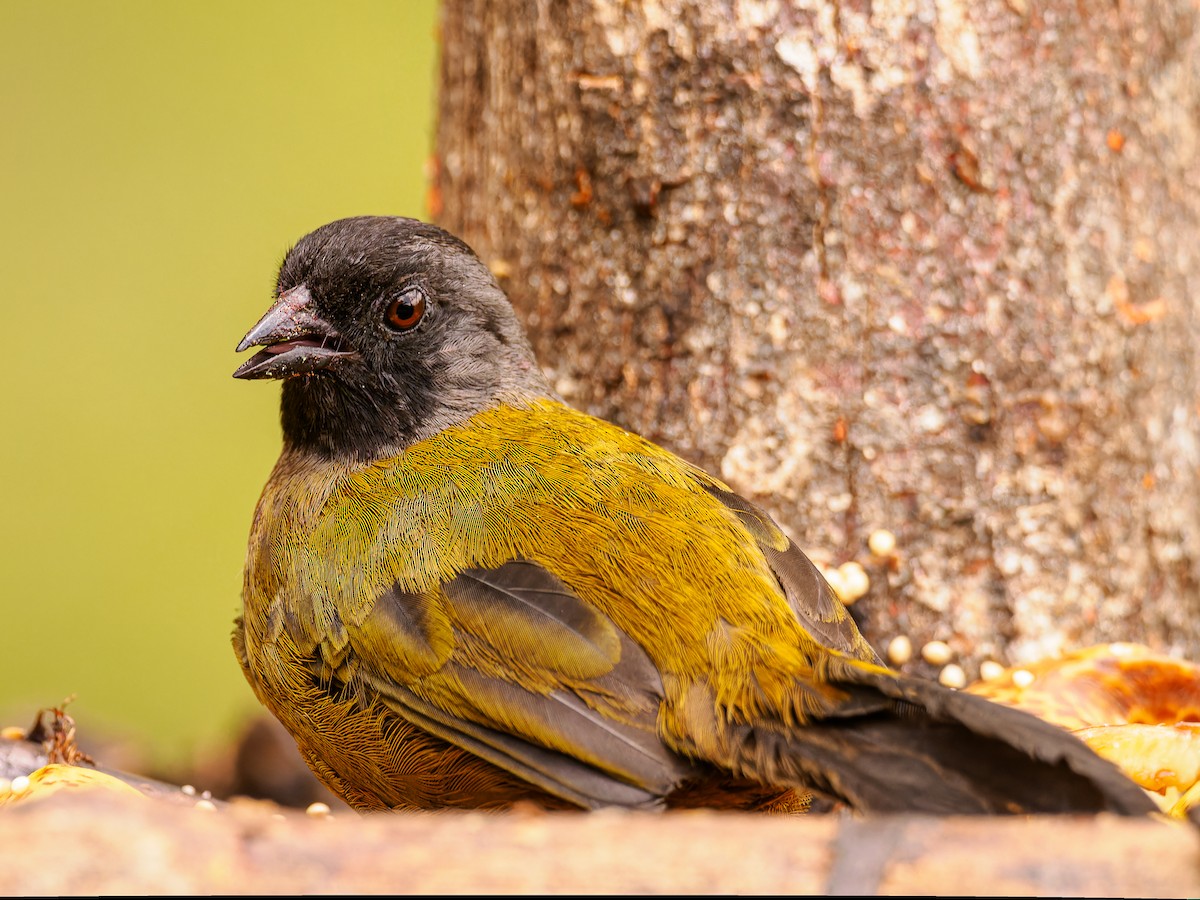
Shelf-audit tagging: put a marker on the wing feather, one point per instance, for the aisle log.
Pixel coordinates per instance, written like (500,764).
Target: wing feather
(537,681)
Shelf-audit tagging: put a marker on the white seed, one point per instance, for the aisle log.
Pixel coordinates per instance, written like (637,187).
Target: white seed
(855,581)
(836,581)
(1022,678)
(899,650)
(840,502)
(206,805)
(952,676)
(318,809)
(20,784)
(189,790)
(990,670)
(882,542)
(937,653)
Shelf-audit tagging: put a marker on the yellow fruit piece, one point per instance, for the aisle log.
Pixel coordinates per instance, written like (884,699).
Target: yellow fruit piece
(52,778)
(1155,756)
(1189,800)
(1109,684)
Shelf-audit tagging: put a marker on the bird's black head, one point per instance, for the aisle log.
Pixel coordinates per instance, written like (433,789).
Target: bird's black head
(386,330)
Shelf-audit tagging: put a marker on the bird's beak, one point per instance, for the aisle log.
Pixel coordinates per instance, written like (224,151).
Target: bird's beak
(294,339)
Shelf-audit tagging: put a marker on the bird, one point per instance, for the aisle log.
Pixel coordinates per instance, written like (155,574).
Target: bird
(462,592)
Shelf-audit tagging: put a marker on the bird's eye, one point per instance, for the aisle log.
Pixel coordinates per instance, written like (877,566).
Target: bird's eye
(406,310)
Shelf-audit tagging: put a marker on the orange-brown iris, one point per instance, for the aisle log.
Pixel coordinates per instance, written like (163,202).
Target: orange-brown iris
(406,310)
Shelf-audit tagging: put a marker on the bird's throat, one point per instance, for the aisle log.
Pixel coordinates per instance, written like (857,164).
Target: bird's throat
(334,419)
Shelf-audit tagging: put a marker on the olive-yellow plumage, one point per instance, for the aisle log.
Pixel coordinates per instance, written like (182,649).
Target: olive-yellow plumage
(461,592)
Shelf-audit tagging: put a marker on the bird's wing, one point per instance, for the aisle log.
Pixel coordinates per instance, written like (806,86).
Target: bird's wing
(808,594)
(531,678)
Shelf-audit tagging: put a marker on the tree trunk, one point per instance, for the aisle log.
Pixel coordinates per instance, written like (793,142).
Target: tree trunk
(918,265)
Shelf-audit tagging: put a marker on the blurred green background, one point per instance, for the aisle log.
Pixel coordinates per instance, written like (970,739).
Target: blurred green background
(157,160)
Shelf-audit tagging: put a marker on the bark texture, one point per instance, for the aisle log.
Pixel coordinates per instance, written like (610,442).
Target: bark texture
(917,265)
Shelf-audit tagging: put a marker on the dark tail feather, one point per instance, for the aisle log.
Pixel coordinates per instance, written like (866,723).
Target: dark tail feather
(935,750)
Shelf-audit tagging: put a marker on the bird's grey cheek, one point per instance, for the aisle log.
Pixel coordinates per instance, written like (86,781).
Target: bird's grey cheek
(475,341)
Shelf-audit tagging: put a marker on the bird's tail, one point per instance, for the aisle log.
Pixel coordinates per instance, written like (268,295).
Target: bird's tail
(911,745)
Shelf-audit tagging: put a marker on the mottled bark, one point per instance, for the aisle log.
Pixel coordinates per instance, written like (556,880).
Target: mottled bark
(921,265)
